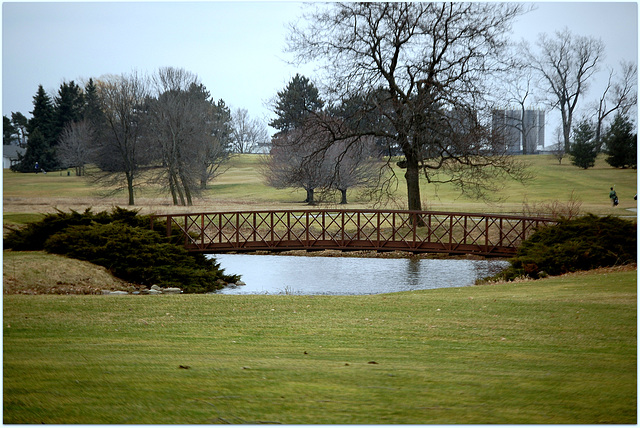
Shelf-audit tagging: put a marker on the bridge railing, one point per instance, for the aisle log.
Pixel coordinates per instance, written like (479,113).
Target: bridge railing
(414,231)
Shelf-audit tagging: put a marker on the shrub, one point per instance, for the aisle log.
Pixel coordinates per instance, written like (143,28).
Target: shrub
(122,242)
(33,236)
(582,243)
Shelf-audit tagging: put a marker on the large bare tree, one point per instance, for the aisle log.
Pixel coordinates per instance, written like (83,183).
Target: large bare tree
(620,95)
(181,128)
(565,63)
(421,68)
(122,152)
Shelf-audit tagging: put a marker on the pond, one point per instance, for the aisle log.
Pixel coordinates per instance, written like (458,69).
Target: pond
(273,274)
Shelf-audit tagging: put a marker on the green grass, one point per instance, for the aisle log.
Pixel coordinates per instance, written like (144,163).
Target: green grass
(242,187)
(56,183)
(21,218)
(560,350)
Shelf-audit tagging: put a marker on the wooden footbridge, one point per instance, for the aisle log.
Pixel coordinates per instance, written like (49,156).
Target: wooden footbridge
(350,230)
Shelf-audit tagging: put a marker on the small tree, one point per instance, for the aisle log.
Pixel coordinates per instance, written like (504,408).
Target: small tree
(621,143)
(291,163)
(584,149)
(76,146)
(557,149)
(248,134)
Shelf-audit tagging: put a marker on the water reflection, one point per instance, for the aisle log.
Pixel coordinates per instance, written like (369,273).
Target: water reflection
(269,274)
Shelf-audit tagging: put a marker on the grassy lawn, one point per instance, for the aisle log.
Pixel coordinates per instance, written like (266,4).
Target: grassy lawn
(241,187)
(561,350)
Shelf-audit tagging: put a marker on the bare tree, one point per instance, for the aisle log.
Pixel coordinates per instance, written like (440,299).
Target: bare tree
(181,129)
(557,149)
(299,159)
(421,68)
(620,95)
(248,134)
(565,63)
(216,153)
(517,86)
(354,164)
(294,162)
(121,152)
(76,147)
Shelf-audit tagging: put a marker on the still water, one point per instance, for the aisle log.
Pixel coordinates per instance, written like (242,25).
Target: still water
(268,274)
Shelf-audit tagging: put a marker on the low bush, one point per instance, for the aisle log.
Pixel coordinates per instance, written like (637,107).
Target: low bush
(577,244)
(122,242)
(33,236)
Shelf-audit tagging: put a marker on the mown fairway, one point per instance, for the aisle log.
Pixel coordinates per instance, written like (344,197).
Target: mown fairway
(560,350)
(241,187)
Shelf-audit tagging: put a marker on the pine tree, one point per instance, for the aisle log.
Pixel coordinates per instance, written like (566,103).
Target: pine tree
(41,136)
(92,108)
(69,107)
(38,156)
(42,115)
(9,132)
(584,149)
(621,143)
(294,104)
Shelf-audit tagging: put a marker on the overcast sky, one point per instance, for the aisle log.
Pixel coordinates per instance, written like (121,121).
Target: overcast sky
(236,48)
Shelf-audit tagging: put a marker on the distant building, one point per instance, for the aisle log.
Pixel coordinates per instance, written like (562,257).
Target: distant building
(10,155)
(508,124)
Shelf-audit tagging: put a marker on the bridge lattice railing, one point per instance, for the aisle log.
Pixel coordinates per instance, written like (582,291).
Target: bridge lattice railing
(415,231)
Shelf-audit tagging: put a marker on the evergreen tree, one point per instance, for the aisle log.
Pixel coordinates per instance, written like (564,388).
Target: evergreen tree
(584,149)
(42,115)
(9,132)
(38,156)
(69,107)
(41,135)
(93,113)
(92,108)
(294,104)
(621,143)
(20,122)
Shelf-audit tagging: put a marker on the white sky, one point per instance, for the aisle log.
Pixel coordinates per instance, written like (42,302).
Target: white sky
(236,48)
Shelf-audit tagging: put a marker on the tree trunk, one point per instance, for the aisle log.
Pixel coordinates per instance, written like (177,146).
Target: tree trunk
(412,176)
(177,189)
(187,190)
(310,199)
(566,130)
(343,200)
(130,188)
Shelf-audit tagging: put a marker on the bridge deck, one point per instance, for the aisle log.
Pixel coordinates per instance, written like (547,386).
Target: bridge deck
(348,230)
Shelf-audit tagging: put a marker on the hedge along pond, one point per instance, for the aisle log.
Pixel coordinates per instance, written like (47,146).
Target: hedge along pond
(275,274)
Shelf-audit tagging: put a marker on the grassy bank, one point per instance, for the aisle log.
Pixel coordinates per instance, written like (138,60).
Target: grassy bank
(37,272)
(561,350)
